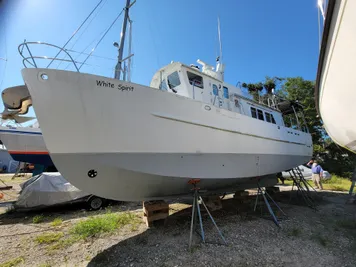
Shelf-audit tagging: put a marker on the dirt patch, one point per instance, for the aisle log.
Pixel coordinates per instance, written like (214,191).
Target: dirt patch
(325,237)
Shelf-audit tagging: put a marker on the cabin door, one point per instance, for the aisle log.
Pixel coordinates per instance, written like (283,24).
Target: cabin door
(216,95)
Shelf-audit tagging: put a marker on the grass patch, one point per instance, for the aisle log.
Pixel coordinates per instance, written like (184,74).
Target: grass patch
(13,262)
(44,265)
(337,183)
(48,238)
(295,232)
(56,222)
(63,243)
(38,218)
(288,182)
(106,223)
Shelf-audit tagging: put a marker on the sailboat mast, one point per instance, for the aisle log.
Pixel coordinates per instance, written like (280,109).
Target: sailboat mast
(122,42)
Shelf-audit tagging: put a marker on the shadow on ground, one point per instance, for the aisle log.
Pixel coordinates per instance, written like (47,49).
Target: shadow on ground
(246,233)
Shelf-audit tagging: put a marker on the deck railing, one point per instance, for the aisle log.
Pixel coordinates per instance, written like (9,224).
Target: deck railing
(30,60)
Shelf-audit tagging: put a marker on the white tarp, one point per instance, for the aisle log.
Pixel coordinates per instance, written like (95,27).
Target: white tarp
(47,189)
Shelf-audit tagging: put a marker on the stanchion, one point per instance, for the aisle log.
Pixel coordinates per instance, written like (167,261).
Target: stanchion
(196,212)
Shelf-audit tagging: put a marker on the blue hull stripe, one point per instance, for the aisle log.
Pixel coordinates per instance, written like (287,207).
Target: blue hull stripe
(19,132)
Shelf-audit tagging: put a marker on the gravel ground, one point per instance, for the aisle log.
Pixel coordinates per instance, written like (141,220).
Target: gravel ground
(306,237)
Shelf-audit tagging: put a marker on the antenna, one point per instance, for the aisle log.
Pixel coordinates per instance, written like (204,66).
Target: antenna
(220,57)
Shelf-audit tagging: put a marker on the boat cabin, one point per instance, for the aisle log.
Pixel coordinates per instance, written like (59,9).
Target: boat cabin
(208,86)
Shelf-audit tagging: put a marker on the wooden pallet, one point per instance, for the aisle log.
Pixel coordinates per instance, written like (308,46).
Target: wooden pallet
(154,211)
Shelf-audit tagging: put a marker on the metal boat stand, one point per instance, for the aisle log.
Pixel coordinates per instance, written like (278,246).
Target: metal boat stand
(303,187)
(197,213)
(262,192)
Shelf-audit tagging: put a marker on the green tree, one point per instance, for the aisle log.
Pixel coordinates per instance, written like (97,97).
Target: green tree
(303,91)
(335,158)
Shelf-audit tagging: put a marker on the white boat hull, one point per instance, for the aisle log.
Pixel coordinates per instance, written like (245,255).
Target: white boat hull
(25,144)
(152,142)
(336,80)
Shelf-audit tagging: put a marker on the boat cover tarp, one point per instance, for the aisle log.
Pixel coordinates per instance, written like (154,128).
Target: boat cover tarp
(47,189)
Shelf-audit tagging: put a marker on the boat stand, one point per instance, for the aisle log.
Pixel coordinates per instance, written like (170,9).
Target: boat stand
(263,192)
(196,214)
(304,189)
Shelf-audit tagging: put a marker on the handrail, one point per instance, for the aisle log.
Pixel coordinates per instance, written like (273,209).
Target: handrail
(33,63)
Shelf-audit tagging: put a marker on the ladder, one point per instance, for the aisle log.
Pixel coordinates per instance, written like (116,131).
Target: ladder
(304,189)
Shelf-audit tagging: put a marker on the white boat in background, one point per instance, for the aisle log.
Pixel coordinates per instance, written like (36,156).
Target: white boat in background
(336,79)
(126,141)
(7,164)
(26,144)
(307,173)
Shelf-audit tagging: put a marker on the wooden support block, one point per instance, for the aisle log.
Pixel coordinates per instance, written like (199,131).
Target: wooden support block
(213,203)
(272,190)
(154,211)
(241,194)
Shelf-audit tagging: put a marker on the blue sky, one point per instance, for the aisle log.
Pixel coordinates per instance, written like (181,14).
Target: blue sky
(259,37)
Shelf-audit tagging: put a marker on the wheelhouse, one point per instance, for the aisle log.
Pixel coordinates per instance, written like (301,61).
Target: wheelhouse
(206,87)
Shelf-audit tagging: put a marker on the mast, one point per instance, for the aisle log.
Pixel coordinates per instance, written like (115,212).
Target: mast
(219,62)
(122,41)
(129,59)
(220,57)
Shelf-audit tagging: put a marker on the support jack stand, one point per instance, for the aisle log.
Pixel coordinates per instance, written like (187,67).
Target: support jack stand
(196,213)
(265,196)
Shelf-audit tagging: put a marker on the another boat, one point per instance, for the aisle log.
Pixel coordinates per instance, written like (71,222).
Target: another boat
(126,141)
(334,91)
(7,164)
(25,144)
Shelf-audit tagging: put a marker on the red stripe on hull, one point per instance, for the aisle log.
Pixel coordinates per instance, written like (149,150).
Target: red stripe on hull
(29,152)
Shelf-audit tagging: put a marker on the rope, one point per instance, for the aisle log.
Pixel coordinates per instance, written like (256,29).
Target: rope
(82,34)
(82,53)
(88,24)
(75,32)
(112,24)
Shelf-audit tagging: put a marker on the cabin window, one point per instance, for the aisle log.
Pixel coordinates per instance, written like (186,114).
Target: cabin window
(163,85)
(226,92)
(173,80)
(215,90)
(253,113)
(268,117)
(195,79)
(260,115)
